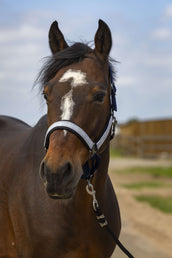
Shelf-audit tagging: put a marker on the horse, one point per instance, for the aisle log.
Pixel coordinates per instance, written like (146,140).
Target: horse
(45,209)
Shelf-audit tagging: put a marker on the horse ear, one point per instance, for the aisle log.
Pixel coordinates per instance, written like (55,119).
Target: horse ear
(103,39)
(56,38)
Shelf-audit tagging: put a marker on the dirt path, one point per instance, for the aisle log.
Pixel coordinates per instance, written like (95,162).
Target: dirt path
(146,232)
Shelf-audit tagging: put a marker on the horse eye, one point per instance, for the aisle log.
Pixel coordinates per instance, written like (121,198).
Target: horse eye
(99,97)
(45,95)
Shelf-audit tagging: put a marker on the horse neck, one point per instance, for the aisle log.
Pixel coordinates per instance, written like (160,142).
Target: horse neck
(101,174)
(34,143)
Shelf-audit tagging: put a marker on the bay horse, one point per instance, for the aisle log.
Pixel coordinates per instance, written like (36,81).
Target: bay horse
(45,210)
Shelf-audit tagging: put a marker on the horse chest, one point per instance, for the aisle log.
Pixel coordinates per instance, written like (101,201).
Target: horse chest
(85,252)
(56,236)
(69,244)
(88,241)
(85,248)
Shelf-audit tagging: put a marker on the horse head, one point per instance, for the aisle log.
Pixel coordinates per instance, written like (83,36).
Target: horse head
(76,86)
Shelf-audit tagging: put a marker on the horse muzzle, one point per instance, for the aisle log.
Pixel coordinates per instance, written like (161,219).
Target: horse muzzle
(60,183)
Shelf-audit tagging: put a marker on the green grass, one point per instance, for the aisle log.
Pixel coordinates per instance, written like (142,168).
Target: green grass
(115,153)
(146,184)
(155,171)
(162,203)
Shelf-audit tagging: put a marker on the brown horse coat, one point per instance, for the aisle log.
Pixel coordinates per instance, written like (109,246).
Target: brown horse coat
(32,225)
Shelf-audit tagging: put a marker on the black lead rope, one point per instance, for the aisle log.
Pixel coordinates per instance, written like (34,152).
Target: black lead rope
(89,168)
(120,245)
(103,223)
(102,220)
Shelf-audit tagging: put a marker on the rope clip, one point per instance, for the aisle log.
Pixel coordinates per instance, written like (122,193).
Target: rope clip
(90,190)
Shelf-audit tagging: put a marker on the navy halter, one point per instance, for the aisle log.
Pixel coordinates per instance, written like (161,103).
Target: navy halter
(113,91)
(92,164)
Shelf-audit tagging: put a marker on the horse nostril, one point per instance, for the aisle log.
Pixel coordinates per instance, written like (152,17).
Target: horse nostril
(64,171)
(67,169)
(42,170)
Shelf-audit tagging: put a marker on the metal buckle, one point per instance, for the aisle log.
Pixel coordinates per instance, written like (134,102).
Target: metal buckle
(94,150)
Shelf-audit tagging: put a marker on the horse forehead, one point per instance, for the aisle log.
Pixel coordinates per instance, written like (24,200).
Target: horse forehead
(76,77)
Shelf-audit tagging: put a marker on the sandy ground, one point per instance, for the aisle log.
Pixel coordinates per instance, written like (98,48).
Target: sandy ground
(146,232)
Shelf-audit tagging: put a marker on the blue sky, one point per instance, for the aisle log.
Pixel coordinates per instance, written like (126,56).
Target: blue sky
(142,43)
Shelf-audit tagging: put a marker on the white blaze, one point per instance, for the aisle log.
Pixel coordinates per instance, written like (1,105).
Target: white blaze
(67,105)
(77,77)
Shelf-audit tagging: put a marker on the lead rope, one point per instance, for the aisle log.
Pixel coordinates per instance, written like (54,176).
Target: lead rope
(102,220)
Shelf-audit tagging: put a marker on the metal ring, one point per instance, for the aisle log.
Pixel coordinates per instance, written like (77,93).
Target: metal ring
(90,189)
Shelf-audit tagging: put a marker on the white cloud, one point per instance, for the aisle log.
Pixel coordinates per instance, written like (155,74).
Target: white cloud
(168,11)
(162,34)
(126,81)
(21,49)
(2,76)
(162,61)
(24,32)
(143,73)
(119,39)
(20,62)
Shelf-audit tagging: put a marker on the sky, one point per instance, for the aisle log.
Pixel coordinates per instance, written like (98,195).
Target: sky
(142,44)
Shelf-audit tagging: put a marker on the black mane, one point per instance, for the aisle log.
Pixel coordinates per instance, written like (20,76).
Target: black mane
(72,54)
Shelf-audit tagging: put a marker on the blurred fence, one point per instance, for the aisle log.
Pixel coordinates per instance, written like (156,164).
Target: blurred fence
(145,139)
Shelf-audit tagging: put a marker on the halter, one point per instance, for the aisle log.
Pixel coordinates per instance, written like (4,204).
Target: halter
(93,147)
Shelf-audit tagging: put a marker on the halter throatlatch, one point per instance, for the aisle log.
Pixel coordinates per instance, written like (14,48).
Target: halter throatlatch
(92,164)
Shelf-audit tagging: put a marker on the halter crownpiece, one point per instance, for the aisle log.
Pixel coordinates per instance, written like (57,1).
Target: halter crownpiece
(93,147)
